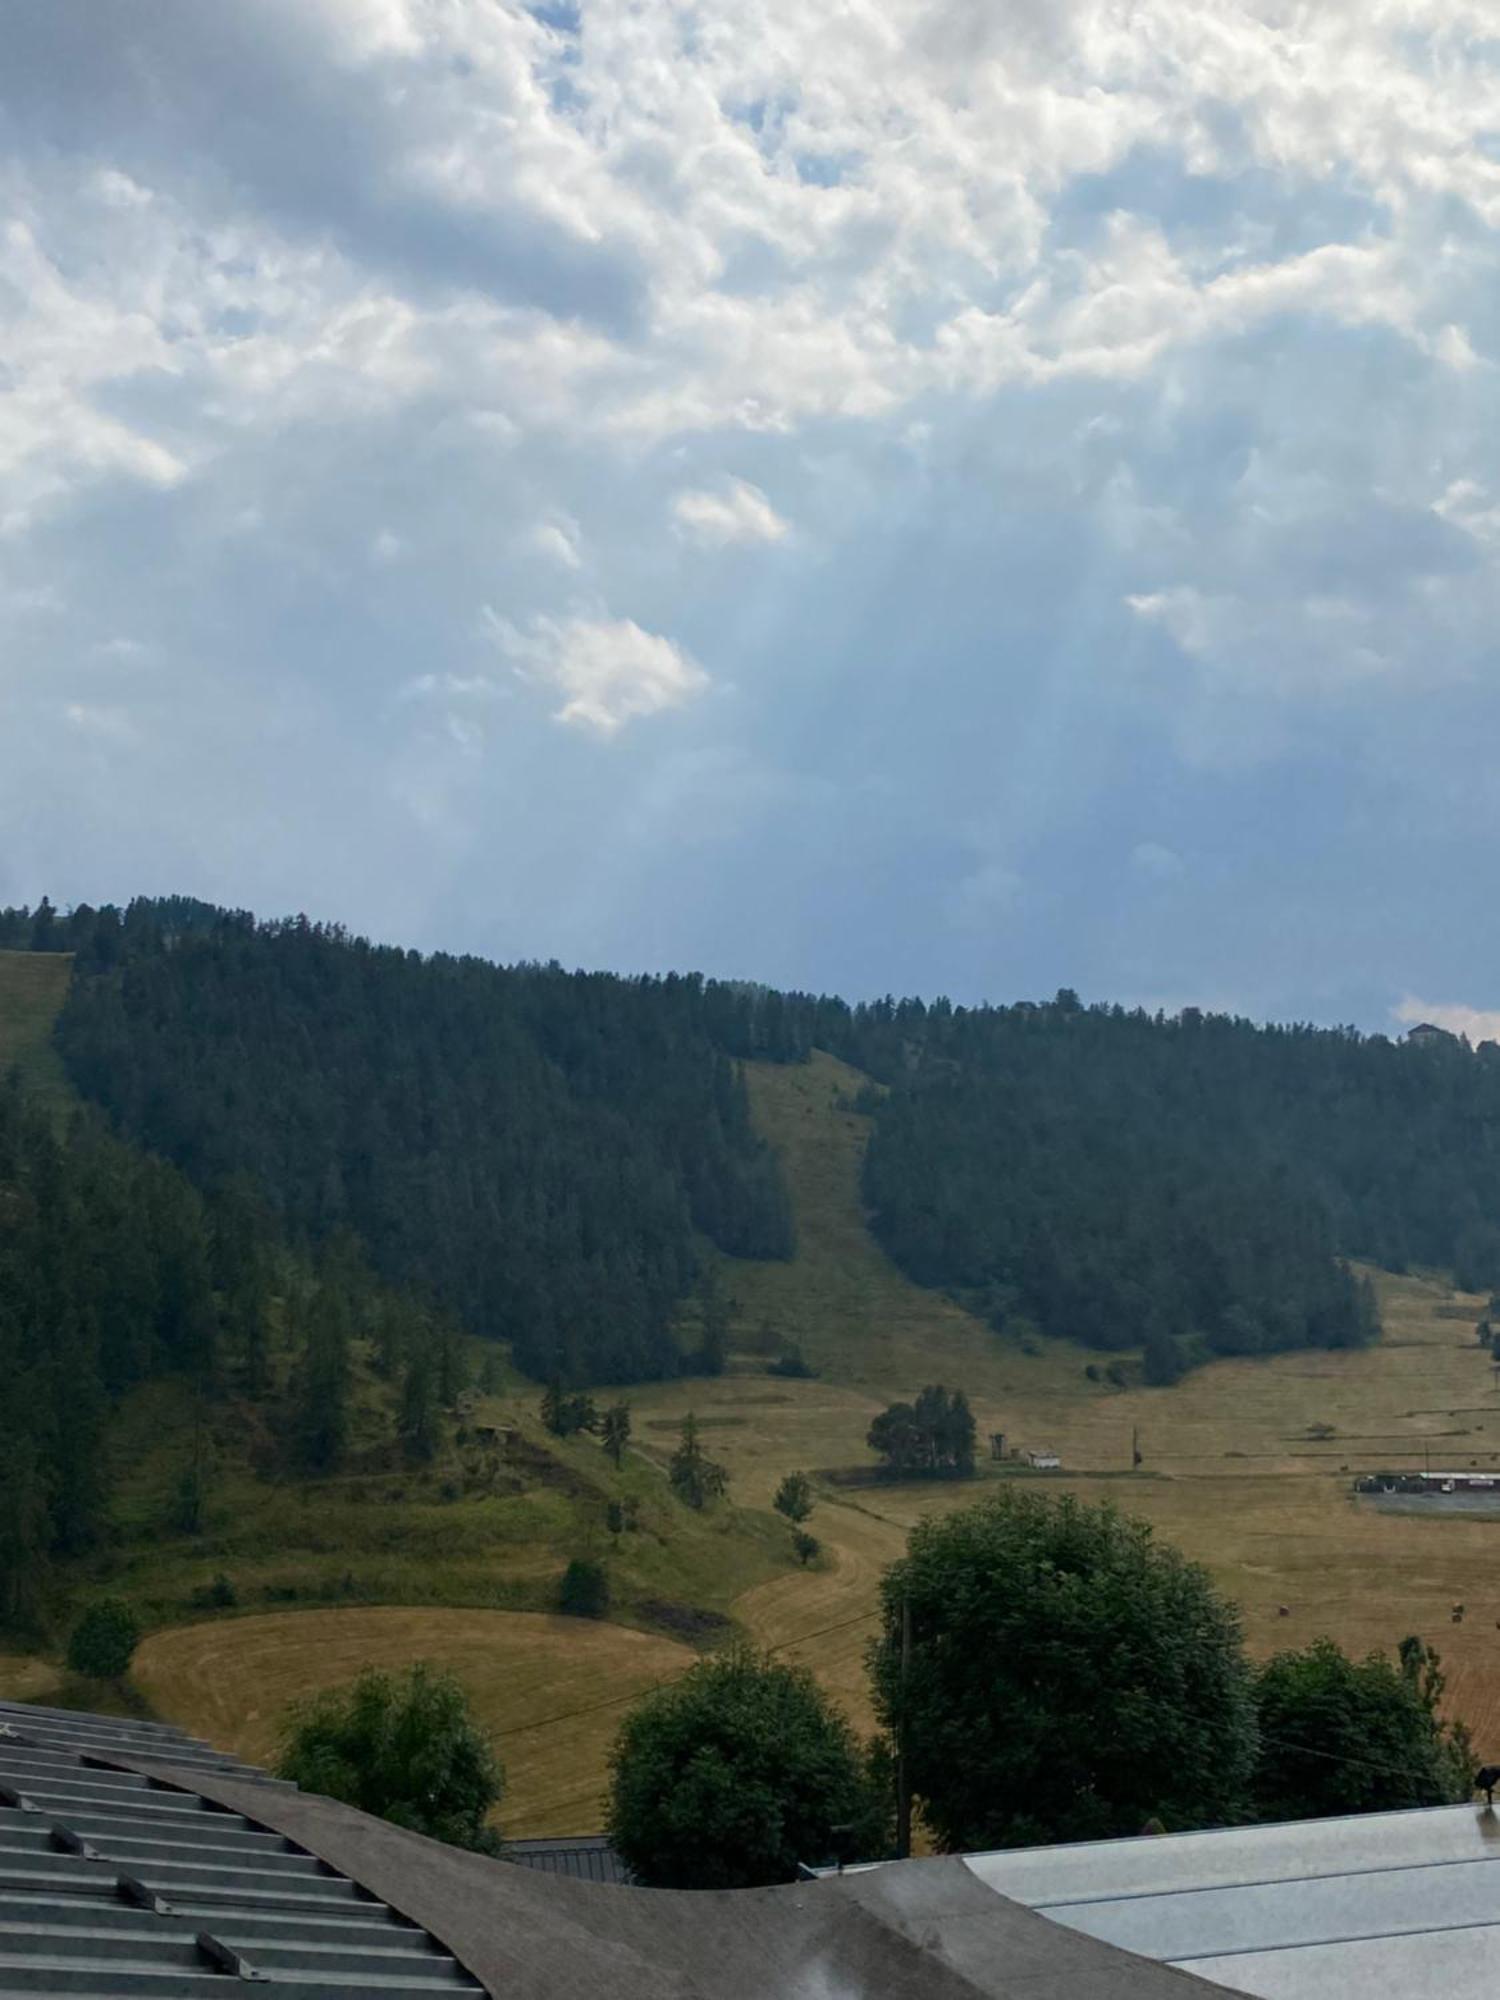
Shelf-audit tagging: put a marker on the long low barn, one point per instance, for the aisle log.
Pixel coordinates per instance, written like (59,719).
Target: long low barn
(1428,1482)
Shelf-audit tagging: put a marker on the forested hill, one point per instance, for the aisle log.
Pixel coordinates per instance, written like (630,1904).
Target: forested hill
(540,1153)
(549,1155)
(1188,1184)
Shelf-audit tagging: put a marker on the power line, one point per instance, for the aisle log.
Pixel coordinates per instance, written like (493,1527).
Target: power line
(616,1701)
(1346,1757)
(823,1631)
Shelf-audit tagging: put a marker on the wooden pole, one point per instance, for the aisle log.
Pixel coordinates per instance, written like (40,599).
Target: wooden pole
(903,1773)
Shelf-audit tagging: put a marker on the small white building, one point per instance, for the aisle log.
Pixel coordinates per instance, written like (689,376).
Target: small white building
(1045,1460)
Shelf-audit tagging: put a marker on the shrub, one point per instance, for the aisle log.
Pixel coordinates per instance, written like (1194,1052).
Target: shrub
(584,1589)
(220,1595)
(794,1497)
(104,1640)
(401,1746)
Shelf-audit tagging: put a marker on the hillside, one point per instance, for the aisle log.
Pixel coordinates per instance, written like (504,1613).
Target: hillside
(1231,1474)
(551,1158)
(1247,1462)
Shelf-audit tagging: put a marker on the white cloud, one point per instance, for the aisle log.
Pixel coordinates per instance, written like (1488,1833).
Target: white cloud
(559,540)
(1480,1024)
(738,512)
(608,670)
(118,190)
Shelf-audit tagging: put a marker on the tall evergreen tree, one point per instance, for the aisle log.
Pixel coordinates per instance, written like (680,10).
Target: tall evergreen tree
(323,1403)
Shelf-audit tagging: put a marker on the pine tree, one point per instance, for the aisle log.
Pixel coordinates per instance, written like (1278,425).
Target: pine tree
(323,1414)
(695,1478)
(614,1430)
(417,1424)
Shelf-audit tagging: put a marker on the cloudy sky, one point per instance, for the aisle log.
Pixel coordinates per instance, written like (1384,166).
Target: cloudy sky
(947,495)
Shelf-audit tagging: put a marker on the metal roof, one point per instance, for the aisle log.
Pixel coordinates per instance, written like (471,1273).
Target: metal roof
(114,1884)
(137,1861)
(1406,1904)
(586,1858)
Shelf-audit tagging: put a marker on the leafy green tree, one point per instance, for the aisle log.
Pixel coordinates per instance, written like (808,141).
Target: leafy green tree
(1354,1736)
(566,1412)
(103,1642)
(695,1477)
(401,1746)
(730,1776)
(932,1438)
(1068,1677)
(805,1546)
(584,1590)
(794,1497)
(614,1430)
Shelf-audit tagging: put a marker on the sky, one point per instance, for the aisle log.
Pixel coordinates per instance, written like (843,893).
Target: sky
(965,497)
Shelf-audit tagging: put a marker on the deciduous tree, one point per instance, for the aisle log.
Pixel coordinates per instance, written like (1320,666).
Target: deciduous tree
(401,1746)
(730,1776)
(1067,1677)
(1352,1736)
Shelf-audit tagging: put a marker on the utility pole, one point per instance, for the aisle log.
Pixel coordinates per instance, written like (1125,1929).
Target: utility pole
(903,1772)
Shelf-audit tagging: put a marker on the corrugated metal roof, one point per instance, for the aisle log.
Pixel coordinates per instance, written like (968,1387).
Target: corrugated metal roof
(1406,1904)
(115,1885)
(585,1858)
(139,1864)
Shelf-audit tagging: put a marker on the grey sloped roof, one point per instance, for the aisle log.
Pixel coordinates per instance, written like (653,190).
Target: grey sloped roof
(584,1858)
(113,1885)
(1405,1905)
(135,1861)
(922,1930)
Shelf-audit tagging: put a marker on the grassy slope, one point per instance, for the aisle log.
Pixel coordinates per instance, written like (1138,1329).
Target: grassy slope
(32,986)
(1230,1474)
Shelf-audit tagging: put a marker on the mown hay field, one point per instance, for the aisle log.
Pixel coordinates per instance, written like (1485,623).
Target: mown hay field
(549,1691)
